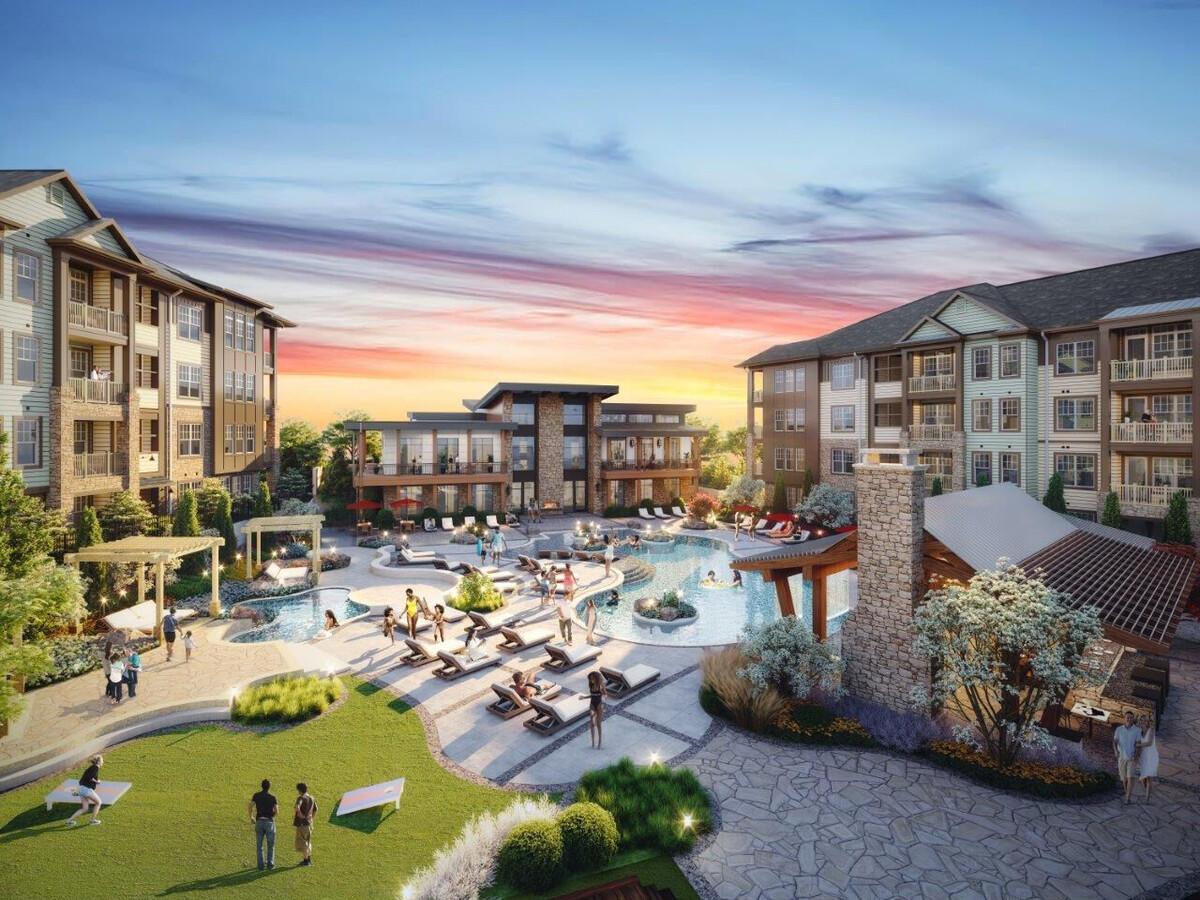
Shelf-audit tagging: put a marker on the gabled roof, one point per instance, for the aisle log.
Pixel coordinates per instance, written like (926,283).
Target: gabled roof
(534,387)
(13,181)
(87,229)
(1153,309)
(929,320)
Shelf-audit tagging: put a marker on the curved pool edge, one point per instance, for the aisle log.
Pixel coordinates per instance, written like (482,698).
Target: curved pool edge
(232,639)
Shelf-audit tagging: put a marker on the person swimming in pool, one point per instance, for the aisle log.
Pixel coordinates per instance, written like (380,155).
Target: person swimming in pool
(710,578)
(614,599)
(737,577)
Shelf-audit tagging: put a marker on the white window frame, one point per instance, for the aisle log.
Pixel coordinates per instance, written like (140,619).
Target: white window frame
(20,357)
(191,438)
(249,438)
(228,319)
(230,440)
(191,321)
(184,373)
(22,444)
(838,416)
(1074,415)
(79,279)
(779,420)
(1004,363)
(251,387)
(841,375)
(981,405)
(32,264)
(1014,466)
(975,353)
(841,461)
(976,456)
(1070,473)
(1004,415)
(1074,353)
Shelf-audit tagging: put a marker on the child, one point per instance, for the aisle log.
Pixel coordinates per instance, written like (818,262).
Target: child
(439,622)
(189,644)
(132,670)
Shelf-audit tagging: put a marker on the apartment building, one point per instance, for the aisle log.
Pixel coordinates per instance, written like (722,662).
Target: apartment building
(557,445)
(122,373)
(1088,374)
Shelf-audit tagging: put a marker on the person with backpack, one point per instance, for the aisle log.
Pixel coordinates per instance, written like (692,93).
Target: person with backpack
(305,815)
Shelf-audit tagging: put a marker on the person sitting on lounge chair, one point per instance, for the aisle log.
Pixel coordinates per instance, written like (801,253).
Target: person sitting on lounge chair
(475,649)
(524,687)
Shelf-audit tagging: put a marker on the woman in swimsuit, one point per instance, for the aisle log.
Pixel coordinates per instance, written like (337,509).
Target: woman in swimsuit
(596,707)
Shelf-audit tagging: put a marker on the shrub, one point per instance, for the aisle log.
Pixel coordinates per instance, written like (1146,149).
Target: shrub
(668,609)
(779,500)
(589,835)
(907,732)
(387,519)
(286,700)
(811,723)
(745,489)
(531,857)
(617,511)
(477,593)
(1112,510)
(430,512)
(785,655)
(649,803)
(827,506)
(1054,498)
(702,506)
(935,486)
(1176,527)
(735,695)
(1027,776)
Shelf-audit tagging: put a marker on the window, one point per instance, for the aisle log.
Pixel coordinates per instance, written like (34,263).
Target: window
(981,415)
(27,271)
(522,451)
(26,357)
(147,371)
(1010,413)
(641,418)
(251,388)
(841,418)
(1172,407)
(239,331)
(780,381)
(229,328)
(27,442)
(981,363)
(81,437)
(1010,360)
(779,465)
(573,414)
(229,441)
(189,381)
(147,306)
(80,286)
(801,417)
(1075,414)
(249,438)
(888,415)
(573,453)
(239,385)
(934,364)
(938,463)
(789,380)
(523,413)
(1078,470)
(841,375)
(190,318)
(1171,341)
(780,420)
(1010,468)
(666,419)
(1172,471)
(251,328)
(934,414)
(1075,358)
(981,467)
(888,368)
(841,461)
(56,194)
(228,385)
(191,437)
(148,435)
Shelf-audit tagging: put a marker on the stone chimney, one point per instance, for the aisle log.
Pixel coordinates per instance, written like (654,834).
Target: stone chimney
(877,637)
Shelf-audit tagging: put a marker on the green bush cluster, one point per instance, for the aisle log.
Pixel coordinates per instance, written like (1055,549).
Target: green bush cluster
(71,656)
(589,836)
(477,593)
(617,511)
(536,854)
(286,700)
(649,804)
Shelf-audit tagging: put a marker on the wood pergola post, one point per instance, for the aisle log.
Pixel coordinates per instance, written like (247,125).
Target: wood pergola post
(783,592)
(214,602)
(316,554)
(159,578)
(249,553)
(820,606)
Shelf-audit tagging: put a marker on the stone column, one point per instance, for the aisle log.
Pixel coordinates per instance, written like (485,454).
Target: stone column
(214,569)
(549,448)
(877,637)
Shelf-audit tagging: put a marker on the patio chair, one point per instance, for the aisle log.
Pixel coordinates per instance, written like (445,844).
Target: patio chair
(760,525)
(679,513)
(518,639)
(659,514)
(492,522)
(455,666)
(468,521)
(410,559)
(278,573)
(528,564)
(430,525)
(484,624)
(425,652)
(510,704)
(492,573)
(645,513)
(447,523)
(453,616)
(563,657)
(622,682)
(410,553)
(557,714)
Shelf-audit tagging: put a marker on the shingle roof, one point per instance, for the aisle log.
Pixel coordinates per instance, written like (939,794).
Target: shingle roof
(12,179)
(793,552)
(1054,301)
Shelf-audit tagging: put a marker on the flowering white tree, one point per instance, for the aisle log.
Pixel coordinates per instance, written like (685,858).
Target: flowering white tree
(785,654)
(745,489)
(1003,646)
(827,506)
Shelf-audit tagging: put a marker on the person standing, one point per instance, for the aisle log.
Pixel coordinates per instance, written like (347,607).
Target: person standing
(412,609)
(87,791)
(389,624)
(609,552)
(1125,745)
(303,818)
(132,670)
(563,607)
(480,550)
(189,644)
(439,622)
(1148,754)
(595,707)
(498,547)
(590,620)
(170,626)
(116,676)
(263,808)
(106,663)
(568,582)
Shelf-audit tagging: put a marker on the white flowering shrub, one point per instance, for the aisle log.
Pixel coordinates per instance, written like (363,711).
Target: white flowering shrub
(745,489)
(463,868)
(785,655)
(827,506)
(1003,646)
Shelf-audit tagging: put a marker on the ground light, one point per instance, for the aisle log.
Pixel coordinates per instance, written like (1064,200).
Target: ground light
(654,758)
(688,821)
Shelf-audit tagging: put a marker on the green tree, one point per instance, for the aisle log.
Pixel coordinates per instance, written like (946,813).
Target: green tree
(1176,527)
(1112,510)
(808,481)
(337,436)
(29,529)
(208,502)
(935,487)
(718,471)
(262,500)
(186,523)
(734,441)
(779,502)
(224,526)
(293,484)
(300,447)
(87,534)
(1054,498)
(710,443)
(337,485)
(124,515)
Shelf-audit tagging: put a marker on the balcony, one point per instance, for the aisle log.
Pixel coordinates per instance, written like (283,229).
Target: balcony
(930,432)
(1148,494)
(1152,432)
(756,396)
(642,465)
(928,384)
(1151,369)
(88,390)
(268,359)
(440,468)
(97,318)
(90,465)
(947,481)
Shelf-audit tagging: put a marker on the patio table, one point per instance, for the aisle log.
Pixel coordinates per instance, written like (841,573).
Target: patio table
(1092,714)
(110,792)
(370,796)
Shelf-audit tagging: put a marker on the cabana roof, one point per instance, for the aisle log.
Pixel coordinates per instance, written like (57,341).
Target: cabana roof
(141,548)
(283,523)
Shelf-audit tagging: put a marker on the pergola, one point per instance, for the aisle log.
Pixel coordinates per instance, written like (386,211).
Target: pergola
(143,551)
(253,530)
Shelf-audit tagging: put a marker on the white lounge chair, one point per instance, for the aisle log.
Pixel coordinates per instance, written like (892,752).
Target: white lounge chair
(430,525)
(645,513)
(468,521)
(451,615)
(457,665)
(447,523)
(760,525)
(554,715)
(278,573)
(412,559)
(621,682)
(679,513)
(563,657)
(492,523)
(410,553)
(659,514)
(510,703)
(518,639)
(424,652)
(140,618)
(495,573)
(491,622)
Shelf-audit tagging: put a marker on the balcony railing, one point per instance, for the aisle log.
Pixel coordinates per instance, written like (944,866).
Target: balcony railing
(1152,432)
(440,468)
(101,463)
(89,390)
(920,384)
(947,480)
(930,432)
(756,396)
(97,318)
(268,359)
(1149,494)
(1150,369)
(631,465)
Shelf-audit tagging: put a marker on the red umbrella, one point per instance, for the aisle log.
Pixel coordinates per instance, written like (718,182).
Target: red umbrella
(404,501)
(363,504)
(745,507)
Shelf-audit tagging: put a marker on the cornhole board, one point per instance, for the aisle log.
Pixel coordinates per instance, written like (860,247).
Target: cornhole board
(368,797)
(110,792)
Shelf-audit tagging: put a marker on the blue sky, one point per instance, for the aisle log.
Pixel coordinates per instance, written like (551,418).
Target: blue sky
(641,193)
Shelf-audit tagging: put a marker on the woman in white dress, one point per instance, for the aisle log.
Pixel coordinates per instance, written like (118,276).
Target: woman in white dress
(1148,755)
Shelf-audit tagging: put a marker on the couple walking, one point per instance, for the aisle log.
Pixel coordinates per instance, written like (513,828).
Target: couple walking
(264,807)
(1136,748)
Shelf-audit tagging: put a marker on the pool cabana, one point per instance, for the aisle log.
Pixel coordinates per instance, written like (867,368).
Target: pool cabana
(253,530)
(143,551)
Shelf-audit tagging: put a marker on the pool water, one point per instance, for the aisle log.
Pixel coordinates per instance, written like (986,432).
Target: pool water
(298,617)
(723,611)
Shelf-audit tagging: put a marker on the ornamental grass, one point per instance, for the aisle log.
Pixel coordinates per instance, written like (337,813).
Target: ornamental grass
(286,700)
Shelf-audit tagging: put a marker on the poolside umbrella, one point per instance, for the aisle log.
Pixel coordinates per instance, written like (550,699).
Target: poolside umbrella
(404,501)
(363,504)
(745,507)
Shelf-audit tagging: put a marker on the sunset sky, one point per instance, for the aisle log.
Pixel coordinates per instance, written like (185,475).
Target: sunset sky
(446,195)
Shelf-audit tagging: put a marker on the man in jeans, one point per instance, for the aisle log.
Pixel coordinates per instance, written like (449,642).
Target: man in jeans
(306,812)
(1125,744)
(169,626)
(262,809)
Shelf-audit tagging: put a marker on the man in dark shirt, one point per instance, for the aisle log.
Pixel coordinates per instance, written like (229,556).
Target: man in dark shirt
(87,791)
(263,807)
(305,815)
(169,626)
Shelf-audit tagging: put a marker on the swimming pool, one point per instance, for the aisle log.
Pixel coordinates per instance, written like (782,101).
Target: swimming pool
(724,611)
(297,617)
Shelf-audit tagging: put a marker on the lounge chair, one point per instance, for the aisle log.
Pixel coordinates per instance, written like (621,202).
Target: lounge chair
(408,558)
(760,525)
(518,639)
(555,715)
(491,622)
(528,563)
(453,616)
(430,525)
(455,666)
(279,574)
(492,522)
(510,703)
(788,529)
(425,652)
(447,523)
(622,682)
(645,513)
(468,521)
(563,657)
(418,554)
(139,618)
(494,573)
(659,514)
(679,513)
